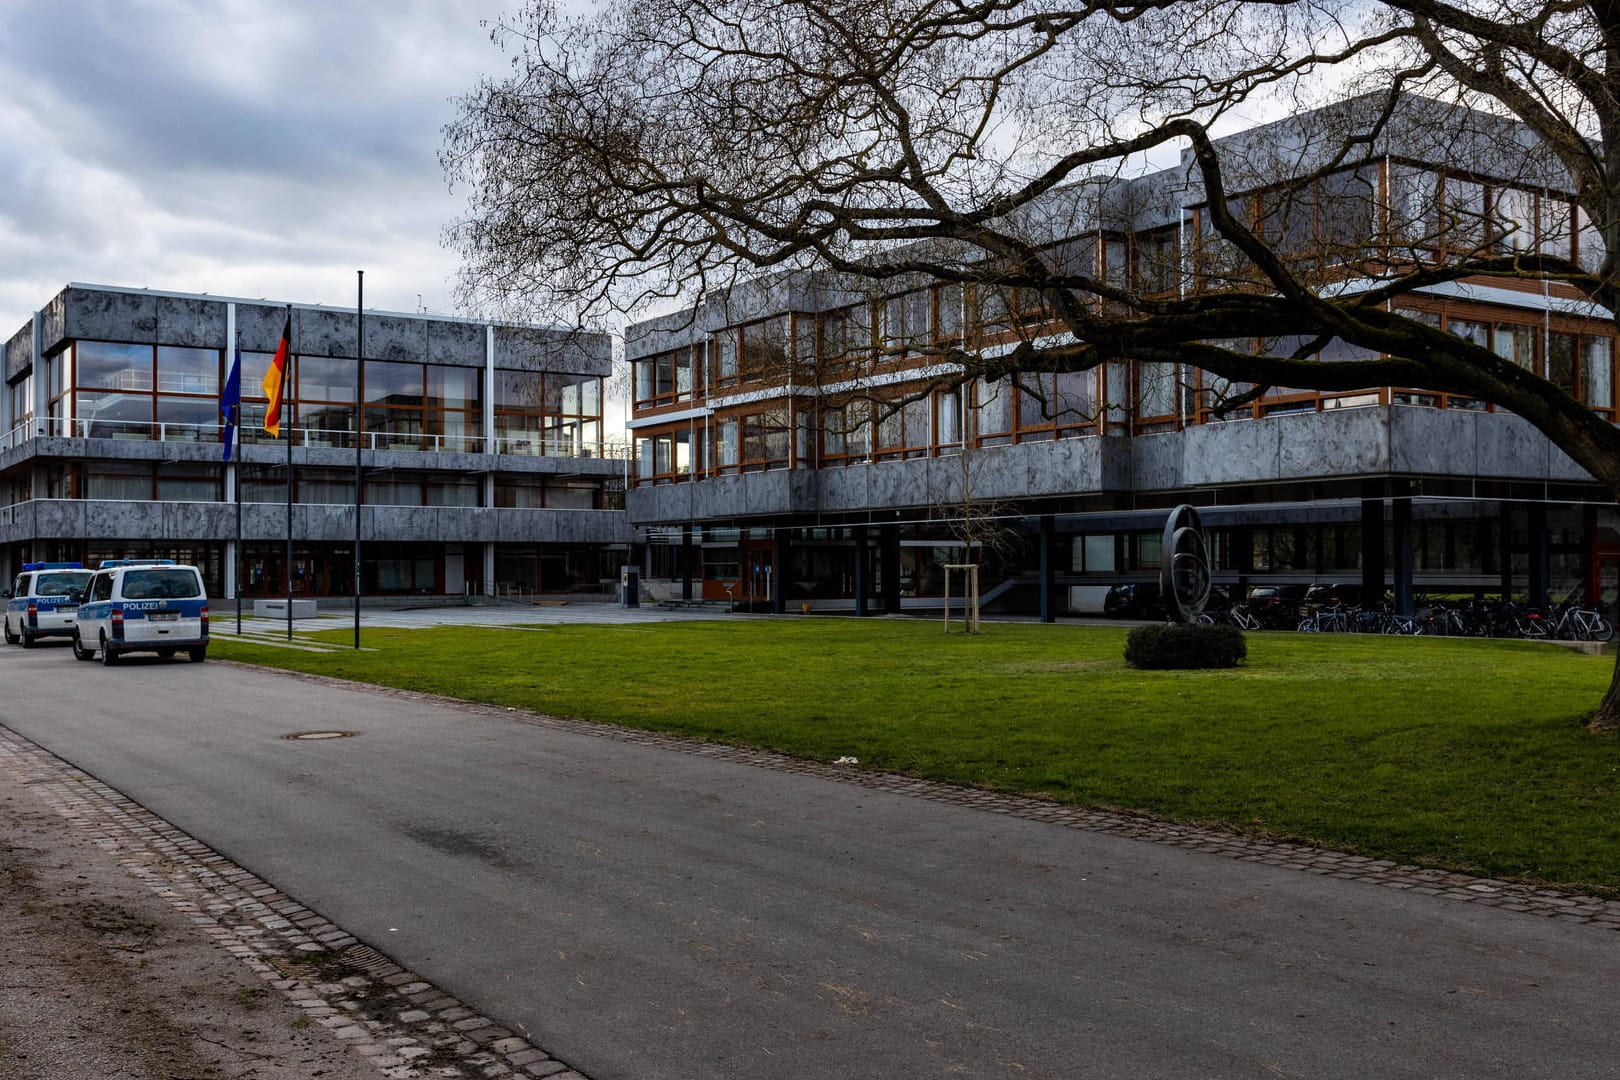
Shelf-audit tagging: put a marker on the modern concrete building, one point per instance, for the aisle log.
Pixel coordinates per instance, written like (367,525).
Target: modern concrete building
(481,446)
(799,441)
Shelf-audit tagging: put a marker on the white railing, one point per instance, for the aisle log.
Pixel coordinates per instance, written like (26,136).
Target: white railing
(529,445)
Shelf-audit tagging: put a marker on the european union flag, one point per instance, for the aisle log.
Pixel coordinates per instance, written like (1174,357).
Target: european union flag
(230,401)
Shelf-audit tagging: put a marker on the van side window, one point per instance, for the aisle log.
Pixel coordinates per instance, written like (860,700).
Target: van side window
(102,589)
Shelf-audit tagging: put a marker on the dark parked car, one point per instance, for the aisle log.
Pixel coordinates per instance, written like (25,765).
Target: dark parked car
(1329,594)
(1134,601)
(1277,606)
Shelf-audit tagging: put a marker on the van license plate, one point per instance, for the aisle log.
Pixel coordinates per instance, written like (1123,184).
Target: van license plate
(164,616)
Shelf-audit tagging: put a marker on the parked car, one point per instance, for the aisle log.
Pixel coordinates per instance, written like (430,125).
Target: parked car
(1135,600)
(1277,607)
(1327,594)
(44,601)
(142,605)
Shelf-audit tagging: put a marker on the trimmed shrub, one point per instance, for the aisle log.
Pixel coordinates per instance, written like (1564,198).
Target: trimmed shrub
(1172,645)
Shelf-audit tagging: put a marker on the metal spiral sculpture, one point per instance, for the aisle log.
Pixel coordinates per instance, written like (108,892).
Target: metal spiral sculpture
(1184,577)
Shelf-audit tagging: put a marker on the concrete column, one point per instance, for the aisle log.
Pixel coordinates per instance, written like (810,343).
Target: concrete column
(781,557)
(489,393)
(1540,557)
(1504,541)
(860,571)
(1372,550)
(41,390)
(1401,518)
(489,569)
(1048,541)
(7,421)
(889,552)
(686,562)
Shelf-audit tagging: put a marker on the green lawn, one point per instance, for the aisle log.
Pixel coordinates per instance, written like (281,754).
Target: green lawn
(1455,753)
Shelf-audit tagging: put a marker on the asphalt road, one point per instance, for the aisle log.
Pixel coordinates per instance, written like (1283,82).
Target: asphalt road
(642,913)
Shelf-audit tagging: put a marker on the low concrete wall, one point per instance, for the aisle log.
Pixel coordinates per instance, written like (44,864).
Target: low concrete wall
(277,609)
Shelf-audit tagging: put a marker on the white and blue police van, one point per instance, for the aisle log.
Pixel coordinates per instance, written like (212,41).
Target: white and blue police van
(142,605)
(44,600)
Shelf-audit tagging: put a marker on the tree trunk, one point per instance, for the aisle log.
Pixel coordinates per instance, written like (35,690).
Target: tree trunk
(1607,717)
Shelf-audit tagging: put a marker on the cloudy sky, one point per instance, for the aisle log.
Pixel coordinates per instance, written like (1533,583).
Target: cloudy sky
(238,147)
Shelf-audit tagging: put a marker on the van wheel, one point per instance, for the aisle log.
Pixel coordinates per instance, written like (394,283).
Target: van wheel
(79,651)
(198,653)
(108,657)
(11,639)
(27,639)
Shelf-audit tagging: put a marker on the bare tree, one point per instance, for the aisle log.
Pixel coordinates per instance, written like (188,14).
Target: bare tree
(656,152)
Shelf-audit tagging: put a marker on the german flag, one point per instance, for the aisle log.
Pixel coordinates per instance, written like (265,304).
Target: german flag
(275,380)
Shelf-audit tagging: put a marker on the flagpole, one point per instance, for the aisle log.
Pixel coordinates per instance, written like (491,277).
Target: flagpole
(236,469)
(285,376)
(359,477)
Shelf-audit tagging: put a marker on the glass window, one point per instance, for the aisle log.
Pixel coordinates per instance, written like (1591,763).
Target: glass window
(1556,212)
(644,379)
(160,584)
(777,432)
(683,373)
(993,407)
(181,483)
(890,427)
(725,356)
(1597,371)
(948,417)
(906,320)
(1414,204)
(1590,242)
(832,431)
(1515,221)
(113,367)
(1344,215)
(765,347)
(394,489)
(948,298)
(1072,404)
(324,378)
(197,417)
(1516,343)
(518,391)
(727,439)
(1157,393)
(1561,362)
(1097,552)
(395,384)
(858,431)
(113,480)
(455,387)
(1034,400)
(452,491)
(187,371)
(1156,262)
(1464,222)
(1477,332)
(109,416)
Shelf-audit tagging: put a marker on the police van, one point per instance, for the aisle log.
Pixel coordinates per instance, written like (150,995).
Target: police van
(44,600)
(142,605)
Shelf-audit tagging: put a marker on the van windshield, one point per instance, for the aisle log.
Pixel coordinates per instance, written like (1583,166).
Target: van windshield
(64,583)
(161,585)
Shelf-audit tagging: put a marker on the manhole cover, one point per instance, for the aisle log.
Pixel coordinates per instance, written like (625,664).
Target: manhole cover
(310,736)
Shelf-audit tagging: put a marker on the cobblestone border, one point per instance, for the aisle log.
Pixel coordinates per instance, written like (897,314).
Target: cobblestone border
(1487,892)
(401,1023)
